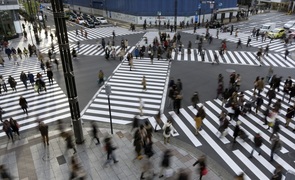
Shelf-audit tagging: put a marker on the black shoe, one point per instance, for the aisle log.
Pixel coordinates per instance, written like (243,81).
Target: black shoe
(250,157)
(259,154)
(161,176)
(116,162)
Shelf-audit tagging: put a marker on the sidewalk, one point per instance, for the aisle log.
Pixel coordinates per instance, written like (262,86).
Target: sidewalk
(28,159)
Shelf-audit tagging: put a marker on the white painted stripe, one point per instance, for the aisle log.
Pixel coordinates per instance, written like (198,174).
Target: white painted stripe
(152,86)
(128,103)
(91,49)
(178,55)
(226,58)
(126,98)
(248,163)
(185,55)
(207,123)
(126,79)
(137,90)
(240,58)
(153,123)
(125,109)
(275,60)
(185,129)
(102,119)
(192,55)
(233,57)
(253,58)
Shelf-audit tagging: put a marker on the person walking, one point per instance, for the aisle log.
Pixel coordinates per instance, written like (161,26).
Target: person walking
(276,146)
(43,128)
(23,104)
(259,102)
(195,99)
(289,114)
(201,114)
(239,43)
(224,123)
(69,142)
(7,129)
(275,129)
(202,166)
(237,131)
(277,174)
(248,41)
(266,50)
(143,83)
(257,144)
(110,151)
(2,61)
(14,126)
(166,160)
(50,76)
(286,53)
(260,85)
(135,123)
(2,84)
(271,94)
(31,78)
(179,85)
(76,170)
(167,128)
(177,102)
(139,141)
(94,133)
(100,77)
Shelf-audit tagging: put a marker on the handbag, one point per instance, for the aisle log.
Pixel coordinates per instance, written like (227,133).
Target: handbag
(204,171)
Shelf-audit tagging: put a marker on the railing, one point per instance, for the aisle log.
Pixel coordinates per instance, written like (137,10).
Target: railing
(8,2)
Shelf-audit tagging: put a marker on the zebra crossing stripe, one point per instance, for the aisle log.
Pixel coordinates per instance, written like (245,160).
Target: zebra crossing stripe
(240,58)
(247,162)
(153,123)
(247,58)
(191,136)
(222,154)
(91,49)
(107,120)
(232,57)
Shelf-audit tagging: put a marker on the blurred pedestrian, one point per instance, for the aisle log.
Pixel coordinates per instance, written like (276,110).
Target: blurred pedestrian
(76,170)
(143,83)
(202,166)
(158,120)
(43,128)
(257,144)
(110,151)
(4,173)
(7,129)
(166,160)
(278,174)
(94,133)
(23,104)
(135,123)
(276,146)
(14,126)
(69,142)
(195,99)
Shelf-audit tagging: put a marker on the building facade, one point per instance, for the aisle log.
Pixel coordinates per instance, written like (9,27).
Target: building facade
(137,11)
(10,25)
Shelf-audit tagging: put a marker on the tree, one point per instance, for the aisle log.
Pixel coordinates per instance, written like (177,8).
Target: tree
(31,7)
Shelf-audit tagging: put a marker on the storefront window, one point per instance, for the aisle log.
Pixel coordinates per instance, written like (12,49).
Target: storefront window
(6,24)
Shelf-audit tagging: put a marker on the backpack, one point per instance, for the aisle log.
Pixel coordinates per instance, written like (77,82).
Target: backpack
(167,130)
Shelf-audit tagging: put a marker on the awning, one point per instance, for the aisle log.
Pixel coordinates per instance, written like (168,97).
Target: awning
(226,10)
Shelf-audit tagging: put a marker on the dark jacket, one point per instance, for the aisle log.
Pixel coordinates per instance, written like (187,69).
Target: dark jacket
(43,129)
(166,159)
(257,140)
(23,102)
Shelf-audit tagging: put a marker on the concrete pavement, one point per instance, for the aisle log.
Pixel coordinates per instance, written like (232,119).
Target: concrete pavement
(27,158)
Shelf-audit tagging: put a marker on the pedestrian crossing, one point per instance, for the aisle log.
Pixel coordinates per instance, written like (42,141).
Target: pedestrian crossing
(127,89)
(236,57)
(235,158)
(276,45)
(102,32)
(89,49)
(149,37)
(48,106)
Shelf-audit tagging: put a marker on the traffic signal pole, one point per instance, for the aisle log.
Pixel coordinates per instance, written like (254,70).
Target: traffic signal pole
(65,55)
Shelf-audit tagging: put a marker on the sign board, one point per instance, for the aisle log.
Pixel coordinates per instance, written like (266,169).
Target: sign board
(199,7)
(211,6)
(196,19)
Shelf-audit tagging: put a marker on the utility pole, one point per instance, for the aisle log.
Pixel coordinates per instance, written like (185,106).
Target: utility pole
(65,55)
(175,15)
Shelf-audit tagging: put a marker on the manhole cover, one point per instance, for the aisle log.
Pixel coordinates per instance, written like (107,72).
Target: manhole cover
(230,70)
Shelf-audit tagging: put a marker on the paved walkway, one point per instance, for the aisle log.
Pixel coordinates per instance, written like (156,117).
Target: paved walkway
(27,158)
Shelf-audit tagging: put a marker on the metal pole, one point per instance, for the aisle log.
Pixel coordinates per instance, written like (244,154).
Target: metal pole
(65,55)
(110,112)
(175,15)
(31,35)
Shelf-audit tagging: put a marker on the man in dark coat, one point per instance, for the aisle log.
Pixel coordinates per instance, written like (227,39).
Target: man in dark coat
(165,162)
(23,104)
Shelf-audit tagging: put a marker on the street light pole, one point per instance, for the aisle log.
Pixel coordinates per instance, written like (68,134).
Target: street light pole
(108,91)
(159,15)
(31,35)
(175,15)
(65,55)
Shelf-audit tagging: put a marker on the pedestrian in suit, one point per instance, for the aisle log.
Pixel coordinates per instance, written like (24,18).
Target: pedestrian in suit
(257,144)
(43,128)
(23,104)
